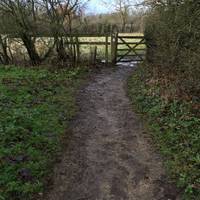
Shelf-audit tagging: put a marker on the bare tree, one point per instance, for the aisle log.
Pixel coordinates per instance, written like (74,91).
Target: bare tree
(22,15)
(22,19)
(61,14)
(123,8)
(161,2)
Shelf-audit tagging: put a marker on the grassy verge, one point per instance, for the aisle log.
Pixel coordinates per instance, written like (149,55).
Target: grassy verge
(35,107)
(175,128)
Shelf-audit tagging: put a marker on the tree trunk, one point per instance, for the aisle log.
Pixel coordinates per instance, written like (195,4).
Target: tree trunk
(62,55)
(5,58)
(30,46)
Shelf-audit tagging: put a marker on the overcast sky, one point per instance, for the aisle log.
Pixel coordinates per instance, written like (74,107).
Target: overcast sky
(97,6)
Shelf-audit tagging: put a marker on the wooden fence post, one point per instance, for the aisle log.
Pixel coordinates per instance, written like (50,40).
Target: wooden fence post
(114,43)
(77,50)
(106,51)
(93,55)
(111,44)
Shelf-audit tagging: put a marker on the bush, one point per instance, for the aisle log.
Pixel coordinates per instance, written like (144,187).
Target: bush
(173,36)
(167,88)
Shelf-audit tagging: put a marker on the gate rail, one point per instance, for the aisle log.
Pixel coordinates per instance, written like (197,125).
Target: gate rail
(133,48)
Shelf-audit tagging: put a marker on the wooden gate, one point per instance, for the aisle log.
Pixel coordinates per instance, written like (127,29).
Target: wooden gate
(128,48)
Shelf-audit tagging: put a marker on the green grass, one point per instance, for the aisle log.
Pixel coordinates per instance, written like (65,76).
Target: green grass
(35,107)
(175,129)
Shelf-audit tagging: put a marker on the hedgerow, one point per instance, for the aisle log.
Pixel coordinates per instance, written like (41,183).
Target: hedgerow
(166,88)
(172,31)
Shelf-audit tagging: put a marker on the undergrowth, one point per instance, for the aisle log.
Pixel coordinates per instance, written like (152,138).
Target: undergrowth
(35,107)
(175,129)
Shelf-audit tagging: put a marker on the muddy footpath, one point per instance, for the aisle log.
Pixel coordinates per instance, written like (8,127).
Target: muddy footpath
(110,156)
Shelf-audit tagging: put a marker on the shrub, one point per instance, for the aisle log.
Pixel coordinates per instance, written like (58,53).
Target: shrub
(173,36)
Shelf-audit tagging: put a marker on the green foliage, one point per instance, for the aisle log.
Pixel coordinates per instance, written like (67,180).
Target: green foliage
(35,106)
(175,129)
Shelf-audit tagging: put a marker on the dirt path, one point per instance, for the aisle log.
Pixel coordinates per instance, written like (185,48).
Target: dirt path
(109,156)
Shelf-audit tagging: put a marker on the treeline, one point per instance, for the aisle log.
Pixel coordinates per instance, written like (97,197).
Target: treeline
(132,21)
(173,34)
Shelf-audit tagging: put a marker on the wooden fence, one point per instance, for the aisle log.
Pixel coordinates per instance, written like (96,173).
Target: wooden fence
(127,48)
(133,46)
(110,43)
